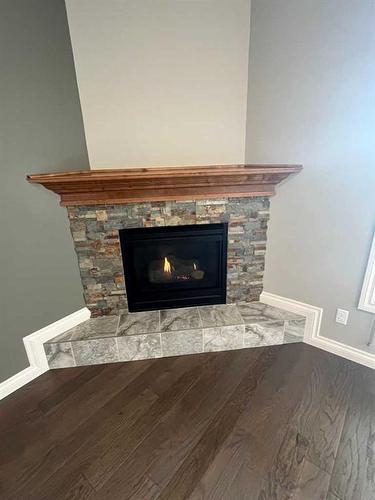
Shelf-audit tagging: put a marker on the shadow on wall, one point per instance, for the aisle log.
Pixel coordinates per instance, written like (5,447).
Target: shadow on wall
(42,128)
(311,99)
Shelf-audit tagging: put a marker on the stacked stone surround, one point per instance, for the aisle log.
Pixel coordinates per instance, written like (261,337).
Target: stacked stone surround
(96,239)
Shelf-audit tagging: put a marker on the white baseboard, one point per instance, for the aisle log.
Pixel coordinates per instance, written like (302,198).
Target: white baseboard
(34,342)
(18,380)
(35,351)
(366,358)
(312,314)
(312,335)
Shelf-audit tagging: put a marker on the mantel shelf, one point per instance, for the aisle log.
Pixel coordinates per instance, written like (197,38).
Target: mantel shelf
(94,187)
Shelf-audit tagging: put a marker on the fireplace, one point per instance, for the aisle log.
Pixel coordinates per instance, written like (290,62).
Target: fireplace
(175,266)
(102,203)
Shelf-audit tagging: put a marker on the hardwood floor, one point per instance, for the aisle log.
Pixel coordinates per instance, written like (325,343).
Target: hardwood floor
(283,422)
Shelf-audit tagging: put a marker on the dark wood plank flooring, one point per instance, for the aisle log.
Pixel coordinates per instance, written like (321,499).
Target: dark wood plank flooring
(285,422)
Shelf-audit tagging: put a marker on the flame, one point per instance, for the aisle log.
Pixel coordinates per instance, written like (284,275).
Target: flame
(195,266)
(167,266)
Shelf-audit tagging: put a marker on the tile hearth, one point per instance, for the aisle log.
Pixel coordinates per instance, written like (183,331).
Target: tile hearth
(172,332)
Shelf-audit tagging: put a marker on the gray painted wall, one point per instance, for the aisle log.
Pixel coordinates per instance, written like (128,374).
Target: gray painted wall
(40,130)
(312,100)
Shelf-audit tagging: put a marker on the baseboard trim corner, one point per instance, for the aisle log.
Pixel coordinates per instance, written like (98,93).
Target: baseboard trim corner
(312,335)
(313,314)
(34,342)
(35,351)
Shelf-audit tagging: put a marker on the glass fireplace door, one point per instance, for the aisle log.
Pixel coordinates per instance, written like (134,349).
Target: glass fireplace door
(175,266)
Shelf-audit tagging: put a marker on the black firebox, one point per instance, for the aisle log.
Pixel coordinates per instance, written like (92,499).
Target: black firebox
(177,266)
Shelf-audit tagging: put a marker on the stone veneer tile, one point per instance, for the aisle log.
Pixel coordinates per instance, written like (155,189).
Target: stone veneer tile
(223,338)
(174,343)
(96,241)
(138,322)
(220,315)
(91,352)
(92,328)
(59,355)
(266,333)
(295,327)
(185,318)
(132,347)
(257,312)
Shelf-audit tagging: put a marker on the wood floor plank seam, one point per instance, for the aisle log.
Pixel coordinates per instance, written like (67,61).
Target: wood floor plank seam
(307,459)
(291,489)
(275,387)
(169,408)
(201,427)
(35,466)
(238,392)
(15,410)
(353,474)
(141,455)
(52,403)
(312,482)
(323,448)
(136,387)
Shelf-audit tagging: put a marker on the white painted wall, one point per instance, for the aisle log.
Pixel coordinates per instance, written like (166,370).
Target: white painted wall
(162,82)
(312,101)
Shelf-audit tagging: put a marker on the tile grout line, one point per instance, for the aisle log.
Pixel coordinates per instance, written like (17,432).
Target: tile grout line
(161,345)
(284,326)
(200,319)
(73,355)
(118,324)
(243,326)
(199,329)
(118,350)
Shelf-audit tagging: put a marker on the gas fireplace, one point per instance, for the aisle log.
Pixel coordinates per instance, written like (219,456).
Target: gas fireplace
(175,266)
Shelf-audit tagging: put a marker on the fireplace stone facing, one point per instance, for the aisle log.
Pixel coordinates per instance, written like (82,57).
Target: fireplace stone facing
(95,231)
(101,203)
(173,332)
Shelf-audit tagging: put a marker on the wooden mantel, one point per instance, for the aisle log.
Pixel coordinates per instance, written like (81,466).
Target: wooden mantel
(92,187)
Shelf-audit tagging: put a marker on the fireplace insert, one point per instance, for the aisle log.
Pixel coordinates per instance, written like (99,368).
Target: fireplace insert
(177,266)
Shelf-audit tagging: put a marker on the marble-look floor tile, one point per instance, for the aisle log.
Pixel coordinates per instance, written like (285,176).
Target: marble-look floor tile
(295,326)
(175,343)
(59,355)
(183,331)
(257,312)
(95,351)
(271,333)
(223,338)
(289,338)
(132,347)
(104,326)
(220,315)
(138,322)
(185,318)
